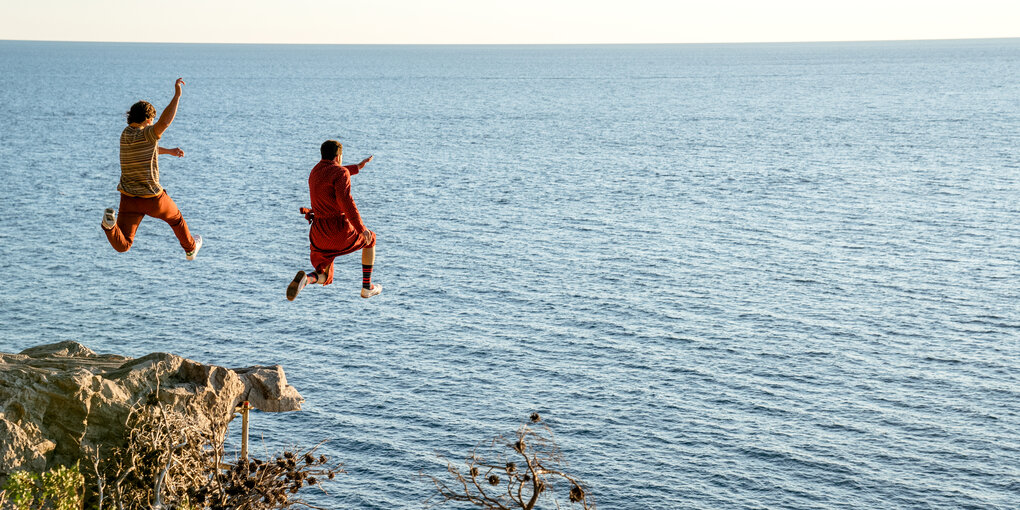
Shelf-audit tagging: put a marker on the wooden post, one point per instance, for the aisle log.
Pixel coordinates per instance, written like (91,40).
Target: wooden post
(245,407)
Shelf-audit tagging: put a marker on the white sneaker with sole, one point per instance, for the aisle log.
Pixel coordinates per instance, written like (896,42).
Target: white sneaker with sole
(296,285)
(190,255)
(109,218)
(374,291)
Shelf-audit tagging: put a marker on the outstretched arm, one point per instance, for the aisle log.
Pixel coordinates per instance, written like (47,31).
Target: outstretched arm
(170,111)
(354,169)
(176,151)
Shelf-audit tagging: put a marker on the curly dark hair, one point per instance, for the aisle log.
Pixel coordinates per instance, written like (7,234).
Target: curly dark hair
(141,112)
(330,149)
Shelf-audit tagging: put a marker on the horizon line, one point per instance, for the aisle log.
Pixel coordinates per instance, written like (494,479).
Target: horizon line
(522,44)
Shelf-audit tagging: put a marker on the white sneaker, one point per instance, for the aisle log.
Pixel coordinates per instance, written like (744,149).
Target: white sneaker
(296,285)
(109,219)
(374,291)
(190,255)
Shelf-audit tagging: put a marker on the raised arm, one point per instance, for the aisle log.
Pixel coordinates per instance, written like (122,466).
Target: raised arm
(170,111)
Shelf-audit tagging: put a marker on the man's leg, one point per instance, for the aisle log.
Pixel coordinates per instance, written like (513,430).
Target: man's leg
(122,235)
(301,279)
(367,261)
(323,273)
(167,211)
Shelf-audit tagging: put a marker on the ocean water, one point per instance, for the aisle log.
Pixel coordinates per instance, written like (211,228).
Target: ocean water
(729,276)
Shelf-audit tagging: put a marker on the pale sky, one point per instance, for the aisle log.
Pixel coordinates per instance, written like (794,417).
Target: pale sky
(505,22)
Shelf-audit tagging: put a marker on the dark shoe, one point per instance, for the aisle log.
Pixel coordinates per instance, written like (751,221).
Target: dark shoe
(296,285)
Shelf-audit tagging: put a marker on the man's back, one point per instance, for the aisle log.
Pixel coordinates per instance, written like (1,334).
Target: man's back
(139,166)
(329,185)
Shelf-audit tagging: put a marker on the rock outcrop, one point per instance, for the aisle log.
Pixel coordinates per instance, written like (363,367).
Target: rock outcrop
(57,398)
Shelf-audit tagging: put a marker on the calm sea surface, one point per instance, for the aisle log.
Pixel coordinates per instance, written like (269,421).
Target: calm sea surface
(729,276)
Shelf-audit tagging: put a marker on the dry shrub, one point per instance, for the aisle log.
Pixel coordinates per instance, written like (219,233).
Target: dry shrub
(170,464)
(513,472)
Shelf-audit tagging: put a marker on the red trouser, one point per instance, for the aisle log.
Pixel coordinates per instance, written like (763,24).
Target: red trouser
(133,209)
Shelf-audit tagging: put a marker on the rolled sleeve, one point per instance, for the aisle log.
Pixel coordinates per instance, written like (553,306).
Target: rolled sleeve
(150,134)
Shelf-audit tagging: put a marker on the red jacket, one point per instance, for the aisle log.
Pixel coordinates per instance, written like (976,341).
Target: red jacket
(330,187)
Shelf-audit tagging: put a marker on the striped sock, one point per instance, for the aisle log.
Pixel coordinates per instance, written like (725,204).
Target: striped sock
(366,276)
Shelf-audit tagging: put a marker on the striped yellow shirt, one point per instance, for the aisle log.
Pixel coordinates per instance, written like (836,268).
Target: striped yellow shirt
(139,164)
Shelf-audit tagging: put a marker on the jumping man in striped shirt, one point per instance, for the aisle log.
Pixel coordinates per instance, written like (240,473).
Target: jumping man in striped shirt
(140,192)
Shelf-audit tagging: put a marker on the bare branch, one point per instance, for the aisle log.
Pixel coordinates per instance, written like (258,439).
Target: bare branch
(536,448)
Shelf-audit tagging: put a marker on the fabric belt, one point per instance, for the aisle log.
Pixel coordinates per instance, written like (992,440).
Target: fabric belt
(310,215)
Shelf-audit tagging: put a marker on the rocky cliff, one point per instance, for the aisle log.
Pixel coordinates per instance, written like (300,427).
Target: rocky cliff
(57,398)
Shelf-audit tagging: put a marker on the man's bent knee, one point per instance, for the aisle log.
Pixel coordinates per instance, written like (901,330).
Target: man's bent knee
(121,247)
(112,236)
(174,221)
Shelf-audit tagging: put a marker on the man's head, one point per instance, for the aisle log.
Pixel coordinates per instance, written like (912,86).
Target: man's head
(331,149)
(141,113)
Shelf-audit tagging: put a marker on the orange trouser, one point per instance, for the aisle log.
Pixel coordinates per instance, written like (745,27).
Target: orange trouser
(133,209)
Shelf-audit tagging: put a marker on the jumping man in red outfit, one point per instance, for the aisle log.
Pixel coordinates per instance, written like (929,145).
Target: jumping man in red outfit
(337,228)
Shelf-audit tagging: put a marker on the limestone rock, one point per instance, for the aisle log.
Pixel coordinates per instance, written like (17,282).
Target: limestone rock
(267,389)
(57,398)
